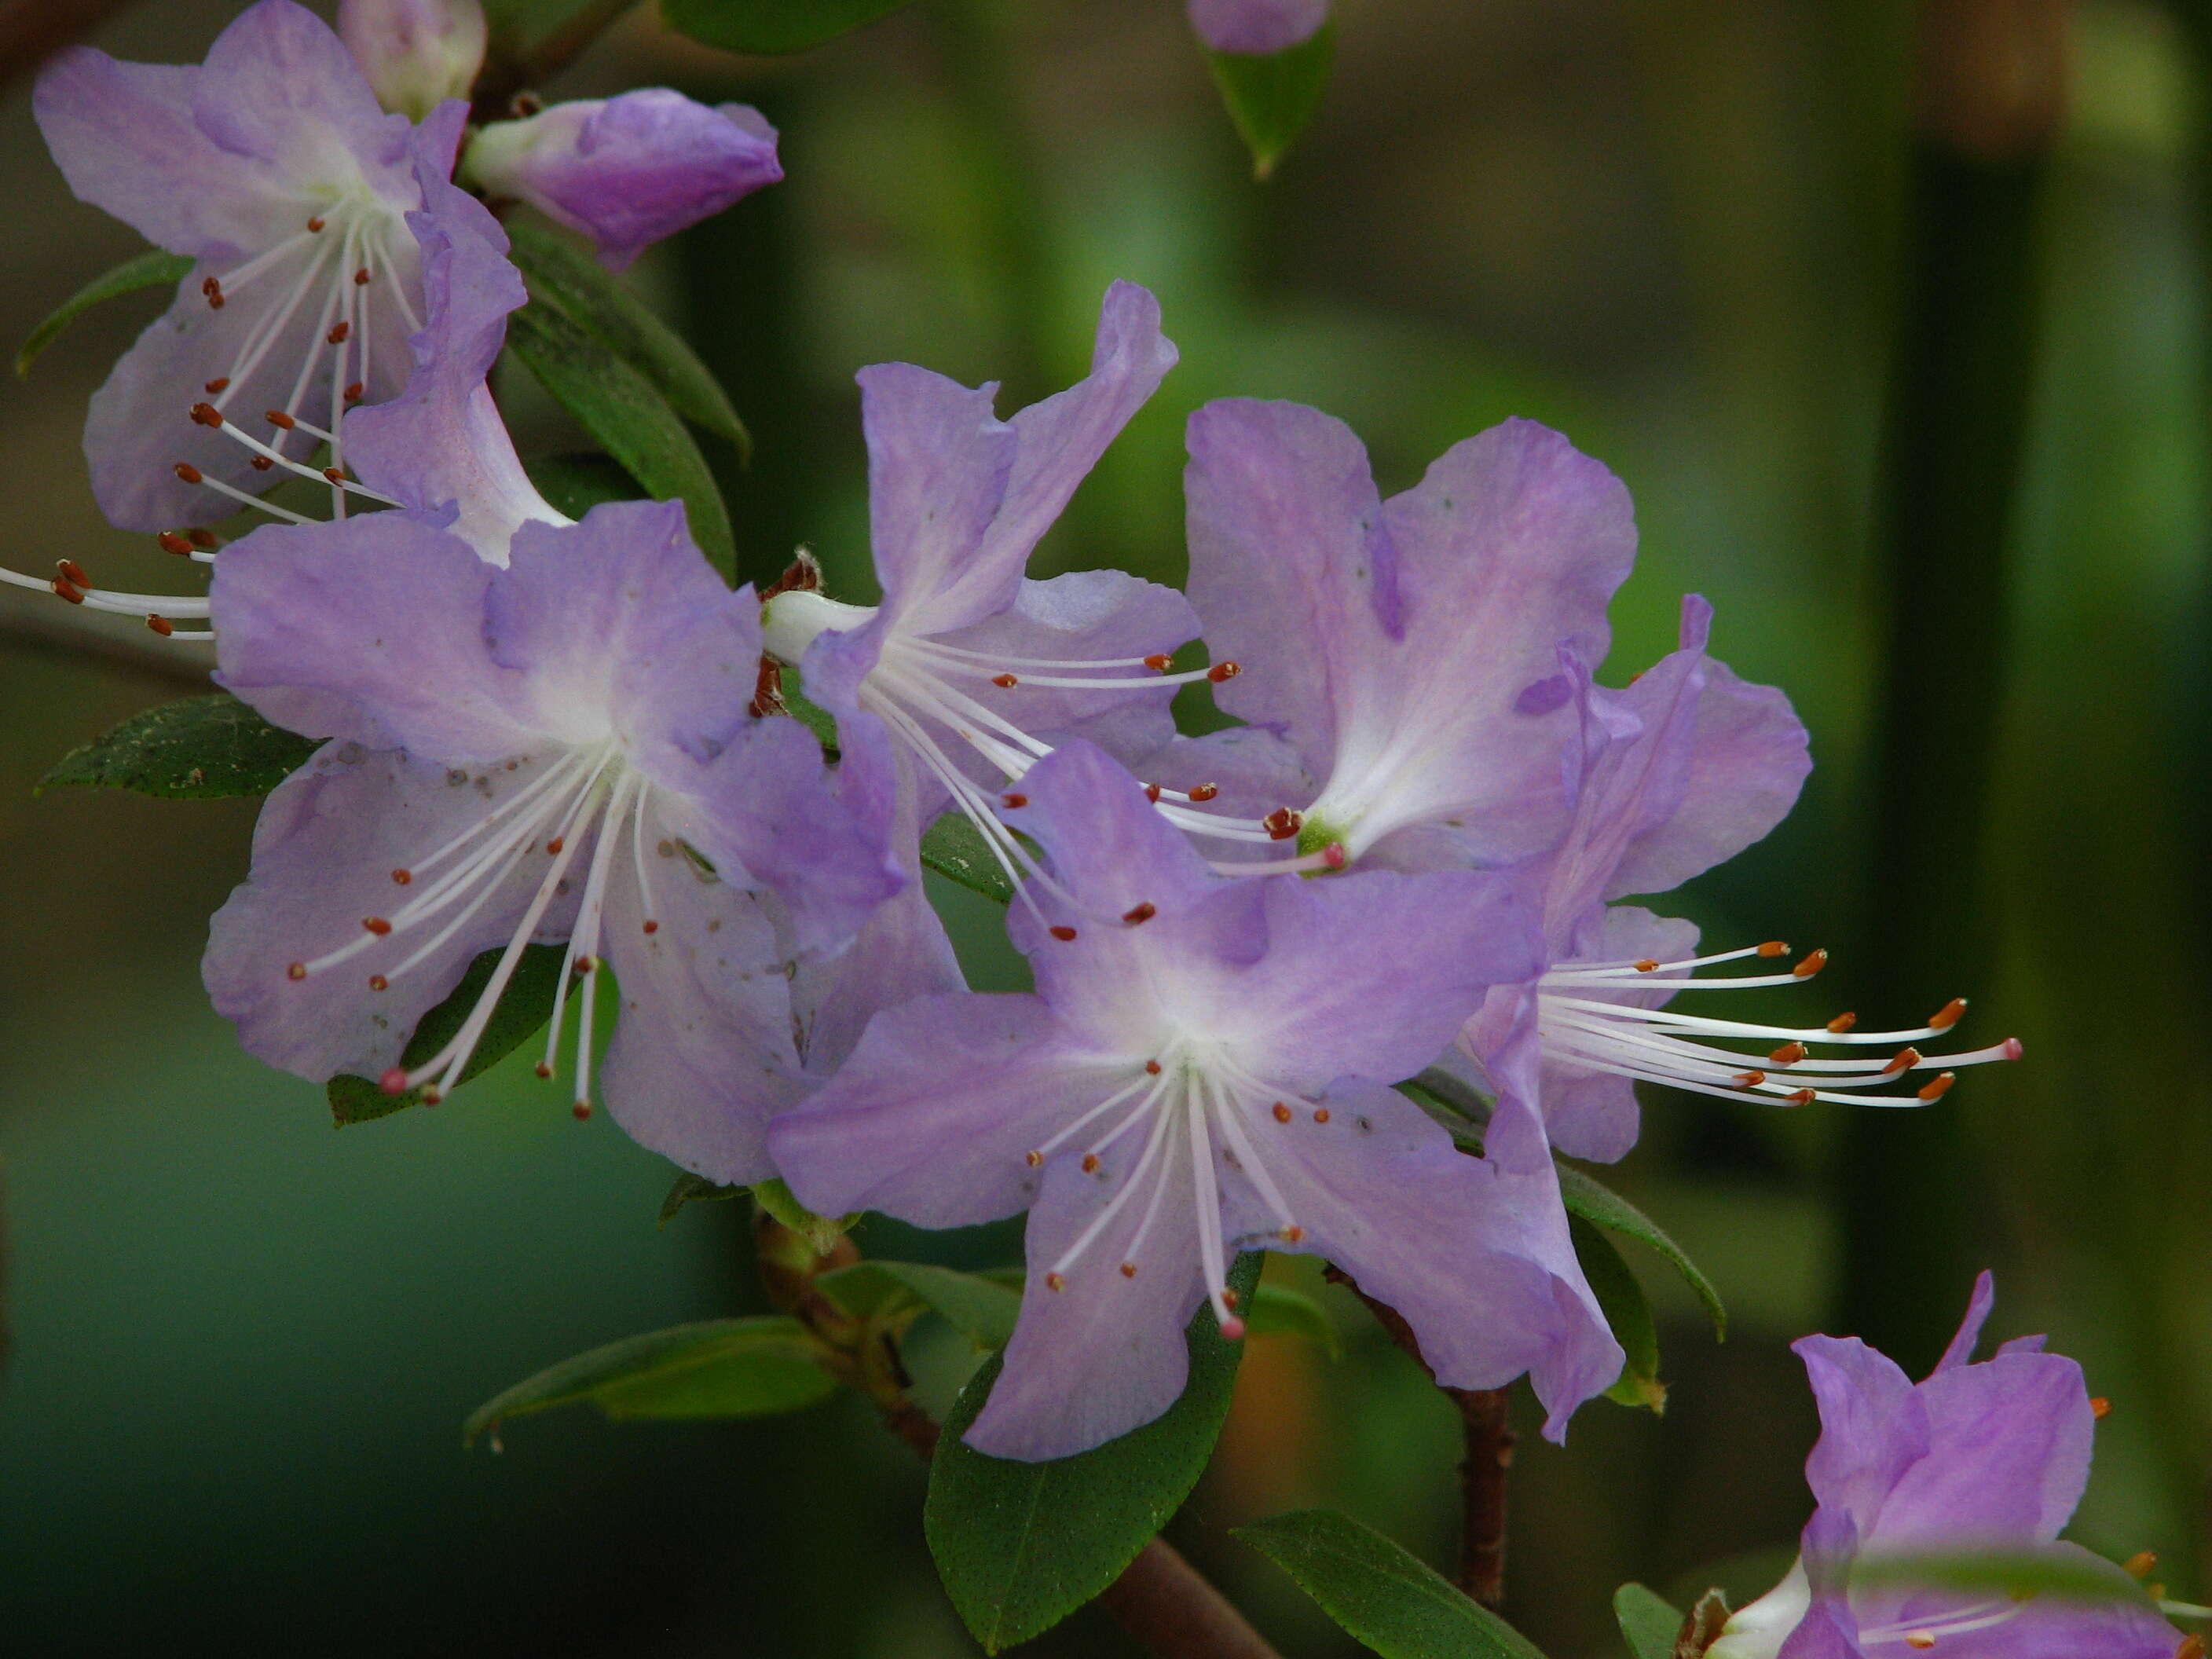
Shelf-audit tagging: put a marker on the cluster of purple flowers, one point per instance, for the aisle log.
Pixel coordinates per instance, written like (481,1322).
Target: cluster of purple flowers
(1410,853)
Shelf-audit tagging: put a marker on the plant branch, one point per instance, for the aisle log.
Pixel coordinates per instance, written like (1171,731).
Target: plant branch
(1488,1426)
(1160,1598)
(31,31)
(509,69)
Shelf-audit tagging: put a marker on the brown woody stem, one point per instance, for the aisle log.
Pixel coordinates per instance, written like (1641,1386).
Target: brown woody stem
(1487,1424)
(1160,1598)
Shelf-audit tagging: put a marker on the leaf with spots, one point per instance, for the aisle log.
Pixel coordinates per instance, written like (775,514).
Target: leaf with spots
(201,749)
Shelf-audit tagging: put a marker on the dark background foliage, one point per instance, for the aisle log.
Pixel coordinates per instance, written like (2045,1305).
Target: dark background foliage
(1684,233)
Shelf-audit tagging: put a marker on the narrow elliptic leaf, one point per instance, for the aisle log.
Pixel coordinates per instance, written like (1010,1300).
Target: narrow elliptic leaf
(1621,1297)
(1380,1593)
(152,268)
(693,1189)
(563,272)
(523,1008)
(1649,1621)
(980,1309)
(576,484)
(624,412)
(770,26)
(955,849)
(822,1231)
(1456,1095)
(200,749)
(812,715)
(750,1367)
(1272,97)
(1593,1200)
(1021,1546)
(1279,1310)
(2014,1574)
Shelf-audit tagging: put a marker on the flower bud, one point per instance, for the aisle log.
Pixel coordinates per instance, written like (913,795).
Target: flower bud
(1257,27)
(416,53)
(627,171)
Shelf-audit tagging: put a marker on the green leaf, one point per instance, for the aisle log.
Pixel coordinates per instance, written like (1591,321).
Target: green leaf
(2018,1574)
(1621,1297)
(1271,97)
(576,484)
(619,407)
(1383,1596)
(201,749)
(1021,1546)
(815,718)
(693,1189)
(523,1008)
(770,26)
(980,1309)
(1279,1310)
(561,272)
(821,1231)
(1456,1095)
(955,849)
(1593,1200)
(1649,1622)
(752,1367)
(152,268)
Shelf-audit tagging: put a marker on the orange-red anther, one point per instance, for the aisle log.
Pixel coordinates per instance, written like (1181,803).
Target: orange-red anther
(361,277)
(1282,1113)
(1800,1097)
(1128,1270)
(1228,1297)
(262,463)
(581,1111)
(1222,671)
(1055,1282)
(553,847)
(1013,803)
(353,391)
(1293,1233)
(221,383)
(188,473)
(2099,1408)
(1063,934)
(651,927)
(1775,947)
(1090,1164)
(1033,1159)
(207,415)
(1140,912)
(72,571)
(376,925)
(202,538)
(1646,966)
(2192,1647)
(1006,681)
(1152,1068)
(1751,1079)
(314,224)
(1948,1016)
(1938,1087)
(1843,1022)
(68,590)
(1152,792)
(169,542)
(378,982)
(334,475)
(1158,661)
(1206,792)
(401,878)
(297,970)
(1320,1113)
(278,418)
(1812,964)
(1904,1061)
(1282,823)
(1789,1054)
(2140,1565)
(160,625)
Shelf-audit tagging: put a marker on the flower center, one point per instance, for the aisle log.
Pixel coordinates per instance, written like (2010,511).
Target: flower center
(1579,1026)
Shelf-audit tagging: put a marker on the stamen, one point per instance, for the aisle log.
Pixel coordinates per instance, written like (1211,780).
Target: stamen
(1141,912)
(2099,1408)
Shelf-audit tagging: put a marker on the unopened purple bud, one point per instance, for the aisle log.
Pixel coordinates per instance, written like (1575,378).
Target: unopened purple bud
(629,171)
(1258,26)
(416,53)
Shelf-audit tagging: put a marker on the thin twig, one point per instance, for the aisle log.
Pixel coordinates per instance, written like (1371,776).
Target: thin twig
(31,31)
(1488,1426)
(1160,1598)
(507,73)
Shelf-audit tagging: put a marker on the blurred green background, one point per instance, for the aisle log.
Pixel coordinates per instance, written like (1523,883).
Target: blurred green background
(242,1343)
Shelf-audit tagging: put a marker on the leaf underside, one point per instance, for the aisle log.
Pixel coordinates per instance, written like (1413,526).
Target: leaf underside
(1383,1595)
(1621,1298)
(152,269)
(1021,1546)
(755,1366)
(208,747)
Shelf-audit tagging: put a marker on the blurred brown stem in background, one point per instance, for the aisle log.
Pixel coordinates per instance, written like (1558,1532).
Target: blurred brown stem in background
(512,66)
(1488,1426)
(31,31)
(1160,1598)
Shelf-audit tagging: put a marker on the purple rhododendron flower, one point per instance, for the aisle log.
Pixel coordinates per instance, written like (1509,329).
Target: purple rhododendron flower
(561,748)
(1257,26)
(1429,660)
(414,54)
(274,168)
(1977,1457)
(627,171)
(1205,1065)
(966,672)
